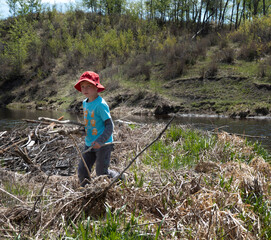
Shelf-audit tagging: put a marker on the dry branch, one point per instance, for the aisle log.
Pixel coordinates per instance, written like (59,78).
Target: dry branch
(61,122)
(14,197)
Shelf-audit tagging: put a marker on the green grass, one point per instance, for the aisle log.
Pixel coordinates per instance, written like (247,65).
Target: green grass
(246,68)
(115,226)
(257,147)
(17,189)
(262,209)
(180,148)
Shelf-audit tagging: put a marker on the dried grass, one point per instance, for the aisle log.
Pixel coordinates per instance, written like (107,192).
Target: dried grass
(192,203)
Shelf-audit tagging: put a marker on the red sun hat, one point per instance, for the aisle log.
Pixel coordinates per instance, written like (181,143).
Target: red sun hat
(92,78)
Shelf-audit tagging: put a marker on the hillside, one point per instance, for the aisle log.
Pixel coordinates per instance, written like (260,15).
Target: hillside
(147,68)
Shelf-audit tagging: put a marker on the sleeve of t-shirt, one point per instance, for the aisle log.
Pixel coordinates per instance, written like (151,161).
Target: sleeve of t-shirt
(104,112)
(108,130)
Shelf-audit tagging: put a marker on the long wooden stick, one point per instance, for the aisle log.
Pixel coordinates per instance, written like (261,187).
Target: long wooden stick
(78,150)
(132,161)
(105,144)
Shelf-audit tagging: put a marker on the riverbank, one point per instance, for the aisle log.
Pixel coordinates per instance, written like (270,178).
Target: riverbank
(185,172)
(218,98)
(257,128)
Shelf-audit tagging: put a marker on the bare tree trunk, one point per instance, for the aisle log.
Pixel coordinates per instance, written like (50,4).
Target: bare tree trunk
(187,11)
(237,15)
(233,5)
(194,13)
(199,18)
(256,4)
(244,10)
(206,10)
(220,12)
(264,13)
(223,14)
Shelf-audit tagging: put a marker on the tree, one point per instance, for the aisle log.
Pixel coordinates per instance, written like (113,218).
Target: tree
(161,8)
(92,5)
(17,46)
(23,7)
(34,6)
(13,7)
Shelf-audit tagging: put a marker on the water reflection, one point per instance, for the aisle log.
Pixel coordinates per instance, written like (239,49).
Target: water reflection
(254,127)
(260,129)
(9,118)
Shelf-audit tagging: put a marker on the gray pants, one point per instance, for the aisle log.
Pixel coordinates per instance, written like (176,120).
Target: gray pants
(102,158)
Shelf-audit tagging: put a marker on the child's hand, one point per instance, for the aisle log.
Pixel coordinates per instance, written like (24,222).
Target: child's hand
(96,145)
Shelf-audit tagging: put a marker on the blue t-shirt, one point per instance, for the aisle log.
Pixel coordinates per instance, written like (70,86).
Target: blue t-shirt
(95,113)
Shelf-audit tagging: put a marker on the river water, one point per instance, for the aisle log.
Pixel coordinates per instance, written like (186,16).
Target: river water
(260,129)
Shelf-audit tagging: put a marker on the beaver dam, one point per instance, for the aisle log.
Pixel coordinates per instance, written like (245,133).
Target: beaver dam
(186,184)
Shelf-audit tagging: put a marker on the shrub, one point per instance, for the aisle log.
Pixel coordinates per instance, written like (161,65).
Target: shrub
(249,52)
(224,42)
(139,66)
(262,70)
(173,69)
(227,55)
(212,70)
(213,39)
(201,47)
(238,37)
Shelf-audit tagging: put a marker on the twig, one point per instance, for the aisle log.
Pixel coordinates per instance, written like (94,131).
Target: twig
(39,195)
(36,202)
(132,161)
(36,130)
(24,156)
(2,133)
(29,140)
(61,122)
(4,191)
(14,144)
(78,150)
(106,144)
(244,135)
(36,121)
(215,129)
(210,222)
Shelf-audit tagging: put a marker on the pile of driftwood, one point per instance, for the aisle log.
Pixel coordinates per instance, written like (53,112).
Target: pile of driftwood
(44,145)
(36,201)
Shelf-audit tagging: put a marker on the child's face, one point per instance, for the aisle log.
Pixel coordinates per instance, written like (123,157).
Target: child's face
(89,90)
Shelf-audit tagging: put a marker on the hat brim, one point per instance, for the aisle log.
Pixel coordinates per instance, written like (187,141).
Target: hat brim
(98,85)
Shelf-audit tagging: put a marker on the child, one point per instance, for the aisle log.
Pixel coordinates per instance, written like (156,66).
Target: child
(98,127)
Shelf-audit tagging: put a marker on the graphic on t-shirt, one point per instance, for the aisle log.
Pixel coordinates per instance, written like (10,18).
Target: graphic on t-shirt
(94,131)
(86,122)
(92,114)
(92,122)
(86,113)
